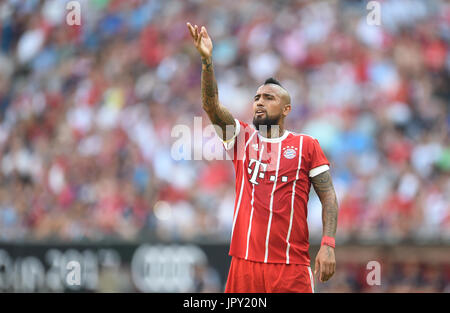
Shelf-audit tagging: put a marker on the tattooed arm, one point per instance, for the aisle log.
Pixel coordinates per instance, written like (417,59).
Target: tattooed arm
(220,117)
(217,113)
(325,260)
(324,188)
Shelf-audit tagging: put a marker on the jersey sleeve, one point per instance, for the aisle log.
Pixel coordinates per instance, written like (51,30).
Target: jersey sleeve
(318,162)
(230,143)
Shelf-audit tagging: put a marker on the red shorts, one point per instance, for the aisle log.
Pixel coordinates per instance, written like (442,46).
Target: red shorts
(256,277)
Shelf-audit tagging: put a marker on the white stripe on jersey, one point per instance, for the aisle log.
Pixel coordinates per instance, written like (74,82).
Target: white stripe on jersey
(271,203)
(292,200)
(242,183)
(251,214)
(311,278)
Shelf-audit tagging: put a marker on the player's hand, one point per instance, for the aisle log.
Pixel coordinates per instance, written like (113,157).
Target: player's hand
(202,41)
(325,263)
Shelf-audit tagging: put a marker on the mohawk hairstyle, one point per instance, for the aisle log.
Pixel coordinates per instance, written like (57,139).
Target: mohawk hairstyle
(274,81)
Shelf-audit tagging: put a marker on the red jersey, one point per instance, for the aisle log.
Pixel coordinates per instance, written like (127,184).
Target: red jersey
(272,191)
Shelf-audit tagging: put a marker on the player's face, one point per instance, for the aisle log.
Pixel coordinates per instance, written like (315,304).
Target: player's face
(267,106)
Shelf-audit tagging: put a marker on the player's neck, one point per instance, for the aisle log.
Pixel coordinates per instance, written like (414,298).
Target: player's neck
(272,132)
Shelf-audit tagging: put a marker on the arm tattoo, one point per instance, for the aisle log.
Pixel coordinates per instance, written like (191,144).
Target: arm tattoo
(323,186)
(217,113)
(207,63)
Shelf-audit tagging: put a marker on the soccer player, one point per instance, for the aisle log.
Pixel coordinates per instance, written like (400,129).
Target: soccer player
(274,171)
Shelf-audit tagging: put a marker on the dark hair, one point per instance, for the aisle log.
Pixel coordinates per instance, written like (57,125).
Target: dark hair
(272,80)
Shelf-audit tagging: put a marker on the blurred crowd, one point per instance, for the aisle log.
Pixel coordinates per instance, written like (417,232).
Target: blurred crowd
(87,112)
(395,277)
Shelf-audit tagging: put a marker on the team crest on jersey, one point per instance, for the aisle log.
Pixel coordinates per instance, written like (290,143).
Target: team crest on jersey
(289,152)
(255,146)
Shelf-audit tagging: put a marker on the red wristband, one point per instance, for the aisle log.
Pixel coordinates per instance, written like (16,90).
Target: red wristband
(329,241)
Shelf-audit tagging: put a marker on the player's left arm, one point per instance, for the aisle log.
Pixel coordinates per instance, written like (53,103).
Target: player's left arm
(325,260)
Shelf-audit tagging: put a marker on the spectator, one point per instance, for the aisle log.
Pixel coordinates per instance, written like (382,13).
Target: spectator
(87,112)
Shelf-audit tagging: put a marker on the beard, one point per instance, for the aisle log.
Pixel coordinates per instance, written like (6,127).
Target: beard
(266,121)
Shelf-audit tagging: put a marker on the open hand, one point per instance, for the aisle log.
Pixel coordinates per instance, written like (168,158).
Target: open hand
(202,40)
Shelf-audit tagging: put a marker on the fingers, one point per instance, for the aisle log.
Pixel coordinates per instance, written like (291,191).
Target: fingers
(204,32)
(327,271)
(191,30)
(316,266)
(324,273)
(199,38)
(324,269)
(194,31)
(325,264)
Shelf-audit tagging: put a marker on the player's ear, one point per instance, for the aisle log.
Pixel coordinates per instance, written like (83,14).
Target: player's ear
(286,109)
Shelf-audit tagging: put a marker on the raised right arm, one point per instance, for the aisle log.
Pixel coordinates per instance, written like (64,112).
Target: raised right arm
(219,116)
(217,113)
